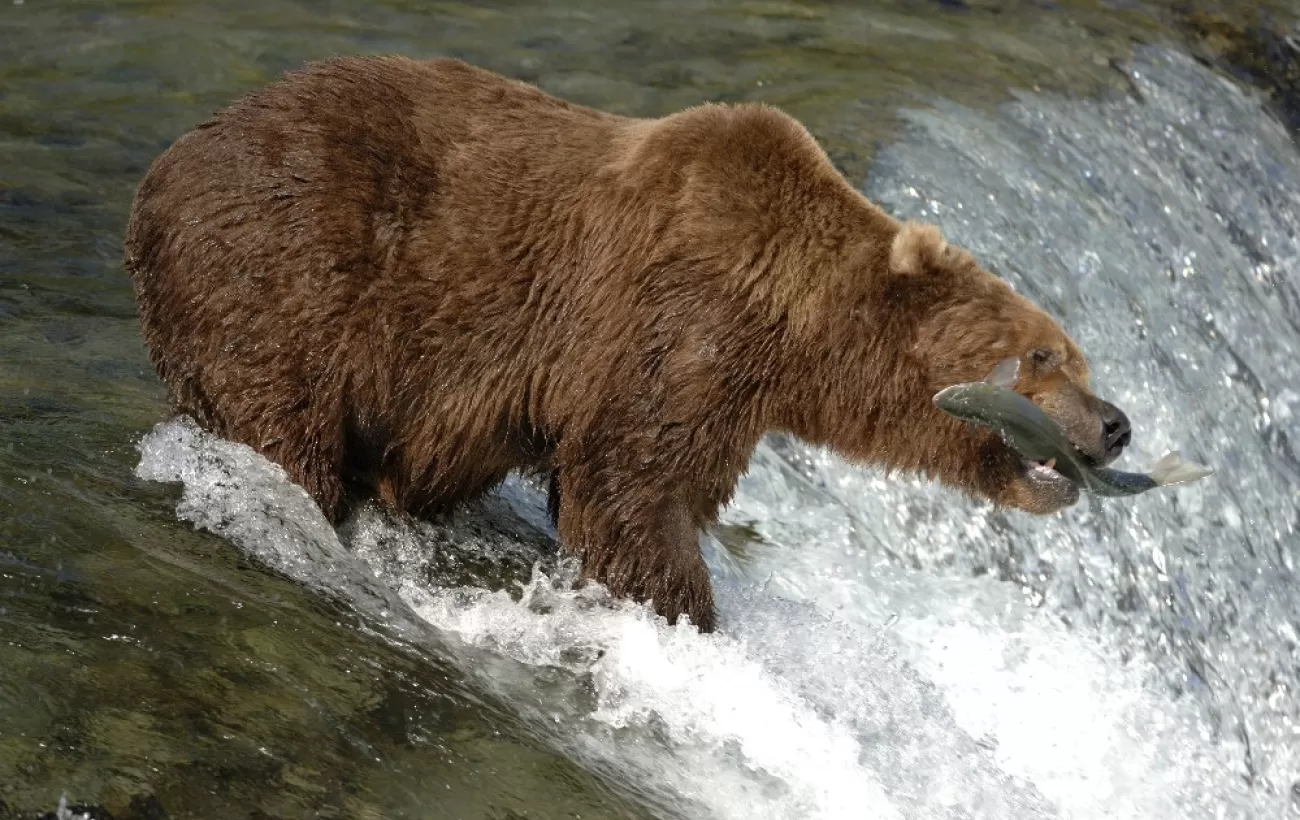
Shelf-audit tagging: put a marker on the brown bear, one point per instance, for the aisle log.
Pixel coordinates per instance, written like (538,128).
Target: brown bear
(405,279)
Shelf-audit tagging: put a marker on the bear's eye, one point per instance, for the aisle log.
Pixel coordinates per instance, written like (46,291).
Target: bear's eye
(1044,357)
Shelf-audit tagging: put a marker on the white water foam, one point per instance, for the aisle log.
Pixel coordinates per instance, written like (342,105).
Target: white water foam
(884,694)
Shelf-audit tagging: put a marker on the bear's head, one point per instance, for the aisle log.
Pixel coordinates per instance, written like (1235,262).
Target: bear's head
(957,322)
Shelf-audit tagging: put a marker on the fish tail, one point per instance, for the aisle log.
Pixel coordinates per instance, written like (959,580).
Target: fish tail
(1171,469)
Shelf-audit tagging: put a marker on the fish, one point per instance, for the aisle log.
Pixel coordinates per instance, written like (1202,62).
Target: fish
(1025,428)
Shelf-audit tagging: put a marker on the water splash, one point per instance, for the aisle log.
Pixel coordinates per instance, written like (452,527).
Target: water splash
(1162,230)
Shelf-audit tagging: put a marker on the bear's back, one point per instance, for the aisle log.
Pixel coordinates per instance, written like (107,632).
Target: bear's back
(348,152)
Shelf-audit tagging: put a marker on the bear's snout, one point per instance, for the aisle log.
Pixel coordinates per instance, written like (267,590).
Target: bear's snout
(1098,429)
(1116,432)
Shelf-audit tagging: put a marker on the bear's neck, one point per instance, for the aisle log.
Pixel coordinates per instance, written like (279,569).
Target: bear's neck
(862,389)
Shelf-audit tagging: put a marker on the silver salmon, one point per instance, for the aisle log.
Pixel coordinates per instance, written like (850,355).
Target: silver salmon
(1030,432)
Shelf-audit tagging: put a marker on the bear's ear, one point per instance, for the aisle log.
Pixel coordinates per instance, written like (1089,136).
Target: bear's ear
(917,246)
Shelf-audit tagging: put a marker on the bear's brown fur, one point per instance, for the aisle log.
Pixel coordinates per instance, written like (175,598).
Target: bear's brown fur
(409,278)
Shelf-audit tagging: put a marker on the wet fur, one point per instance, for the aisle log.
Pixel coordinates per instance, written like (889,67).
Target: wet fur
(405,279)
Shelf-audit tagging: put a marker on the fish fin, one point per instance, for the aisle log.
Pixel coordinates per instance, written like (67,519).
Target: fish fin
(1005,374)
(1171,469)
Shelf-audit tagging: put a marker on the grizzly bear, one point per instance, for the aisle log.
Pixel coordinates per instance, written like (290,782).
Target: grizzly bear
(403,279)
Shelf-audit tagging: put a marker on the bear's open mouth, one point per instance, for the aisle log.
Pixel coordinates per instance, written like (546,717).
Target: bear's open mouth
(1048,484)
(1045,472)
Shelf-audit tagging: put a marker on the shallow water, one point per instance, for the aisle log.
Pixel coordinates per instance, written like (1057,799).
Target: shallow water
(181,631)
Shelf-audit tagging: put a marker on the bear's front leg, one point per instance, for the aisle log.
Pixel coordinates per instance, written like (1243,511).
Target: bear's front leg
(642,548)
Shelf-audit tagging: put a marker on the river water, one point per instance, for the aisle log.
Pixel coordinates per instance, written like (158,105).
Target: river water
(182,634)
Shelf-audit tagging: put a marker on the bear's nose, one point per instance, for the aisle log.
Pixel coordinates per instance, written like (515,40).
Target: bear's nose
(1116,432)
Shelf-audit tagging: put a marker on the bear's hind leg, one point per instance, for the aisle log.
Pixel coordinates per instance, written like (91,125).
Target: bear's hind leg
(308,444)
(273,412)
